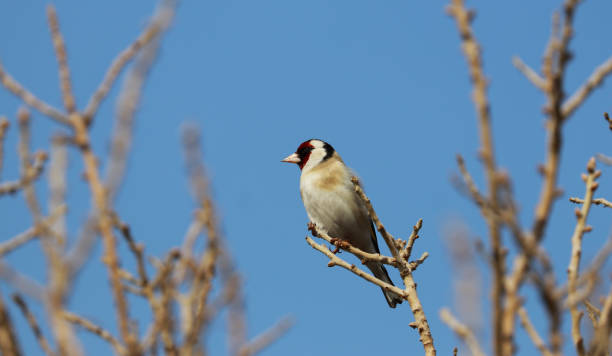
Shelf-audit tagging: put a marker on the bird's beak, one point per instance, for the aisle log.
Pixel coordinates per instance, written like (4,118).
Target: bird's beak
(292,158)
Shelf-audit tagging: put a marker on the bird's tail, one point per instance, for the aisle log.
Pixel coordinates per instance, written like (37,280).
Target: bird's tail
(380,272)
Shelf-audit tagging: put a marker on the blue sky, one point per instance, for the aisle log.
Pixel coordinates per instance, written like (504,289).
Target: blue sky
(384,82)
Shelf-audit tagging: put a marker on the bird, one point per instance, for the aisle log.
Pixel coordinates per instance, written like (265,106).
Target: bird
(333,205)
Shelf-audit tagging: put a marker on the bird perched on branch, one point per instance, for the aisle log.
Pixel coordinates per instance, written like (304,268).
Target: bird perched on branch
(333,205)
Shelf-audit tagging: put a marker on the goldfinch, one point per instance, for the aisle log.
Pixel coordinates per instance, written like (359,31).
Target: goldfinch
(333,205)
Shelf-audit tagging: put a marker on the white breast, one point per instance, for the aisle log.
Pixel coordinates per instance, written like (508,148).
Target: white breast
(333,205)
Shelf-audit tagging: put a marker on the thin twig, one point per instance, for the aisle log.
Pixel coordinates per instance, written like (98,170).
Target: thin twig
(336,261)
(42,341)
(122,59)
(136,249)
(62,60)
(608,120)
(187,261)
(471,50)
(58,277)
(600,344)
(345,245)
(597,201)
(574,264)
(205,271)
(9,344)
(131,93)
(462,331)
(95,329)
(22,238)
(593,81)
(401,253)
(4,125)
(266,338)
(57,187)
(529,73)
(533,333)
(102,212)
(593,312)
(32,174)
(20,282)
(29,99)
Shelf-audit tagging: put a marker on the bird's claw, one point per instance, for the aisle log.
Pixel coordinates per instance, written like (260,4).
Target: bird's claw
(313,229)
(339,243)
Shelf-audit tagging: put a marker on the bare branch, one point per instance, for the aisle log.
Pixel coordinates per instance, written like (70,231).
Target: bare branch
(62,60)
(95,329)
(593,81)
(574,264)
(593,312)
(29,99)
(600,343)
(607,117)
(42,341)
(33,173)
(22,238)
(345,245)
(462,331)
(389,239)
(267,337)
(471,50)
(529,73)
(336,261)
(122,59)
(205,271)
(57,187)
(533,333)
(401,253)
(598,201)
(9,345)
(4,125)
(104,223)
(131,93)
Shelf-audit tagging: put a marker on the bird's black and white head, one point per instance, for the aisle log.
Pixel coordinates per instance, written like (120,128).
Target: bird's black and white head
(310,153)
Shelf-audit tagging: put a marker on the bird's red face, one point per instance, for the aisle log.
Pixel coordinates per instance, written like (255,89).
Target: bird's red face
(301,155)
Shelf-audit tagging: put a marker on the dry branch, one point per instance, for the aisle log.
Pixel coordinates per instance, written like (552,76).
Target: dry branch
(593,81)
(42,341)
(600,343)
(205,270)
(145,50)
(62,60)
(533,333)
(266,338)
(401,251)
(57,178)
(345,245)
(30,171)
(597,201)
(529,73)
(29,99)
(471,50)
(104,223)
(22,238)
(122,59)
(4,125)
(462,331)
(9,344)
(337,261)
(572,270)
(175,274)
(95,329)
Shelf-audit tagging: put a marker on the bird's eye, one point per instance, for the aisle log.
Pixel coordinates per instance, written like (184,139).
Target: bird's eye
(304,151)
